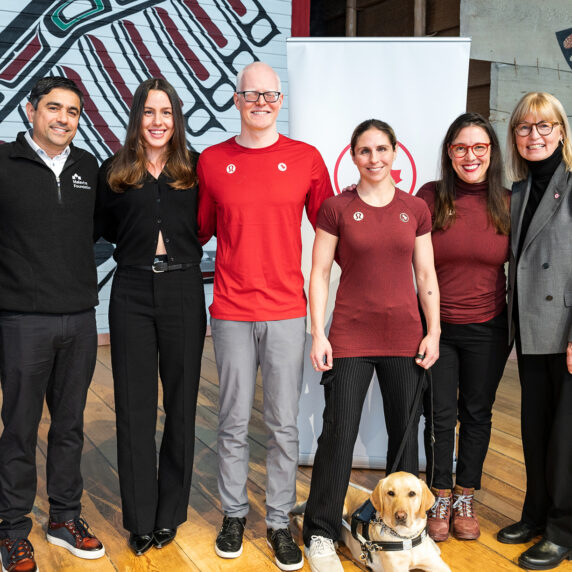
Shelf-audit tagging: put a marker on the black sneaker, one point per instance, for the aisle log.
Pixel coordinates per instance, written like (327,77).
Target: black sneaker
(287,555)
(229,540)
(74,535)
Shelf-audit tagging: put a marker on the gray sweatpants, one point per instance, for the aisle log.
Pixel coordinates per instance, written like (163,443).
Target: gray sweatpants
(240,347)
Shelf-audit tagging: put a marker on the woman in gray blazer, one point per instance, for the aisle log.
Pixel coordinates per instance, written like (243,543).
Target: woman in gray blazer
(539,305)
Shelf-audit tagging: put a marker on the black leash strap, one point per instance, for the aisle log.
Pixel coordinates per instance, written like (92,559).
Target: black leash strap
(413,415)
(431,424)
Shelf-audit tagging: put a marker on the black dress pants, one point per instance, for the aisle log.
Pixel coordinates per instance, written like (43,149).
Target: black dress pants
(345,389)
(472,358)
(49,356)
(546,425)
(157,322)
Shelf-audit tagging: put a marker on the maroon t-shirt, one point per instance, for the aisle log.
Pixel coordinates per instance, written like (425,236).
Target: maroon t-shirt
(469,258)
(376,311)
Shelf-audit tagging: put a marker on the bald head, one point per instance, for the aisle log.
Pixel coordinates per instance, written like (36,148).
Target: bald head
(257,72)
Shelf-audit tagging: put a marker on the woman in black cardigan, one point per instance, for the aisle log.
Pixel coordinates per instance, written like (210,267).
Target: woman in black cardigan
(147,197)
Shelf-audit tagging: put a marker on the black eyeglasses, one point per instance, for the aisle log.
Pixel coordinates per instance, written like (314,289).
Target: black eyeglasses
(478,149)
(542,127)
(253,96)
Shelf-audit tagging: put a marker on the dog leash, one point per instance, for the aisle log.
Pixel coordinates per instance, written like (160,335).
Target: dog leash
(429,419)
(413,415)
(365,515)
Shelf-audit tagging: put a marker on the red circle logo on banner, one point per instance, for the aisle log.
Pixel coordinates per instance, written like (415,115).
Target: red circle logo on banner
(404,172)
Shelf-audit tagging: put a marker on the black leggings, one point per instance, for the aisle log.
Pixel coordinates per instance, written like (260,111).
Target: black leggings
(471,362)
(345,388)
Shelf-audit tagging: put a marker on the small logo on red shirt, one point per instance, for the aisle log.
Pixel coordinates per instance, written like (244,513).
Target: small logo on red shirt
(404,217)
(358,216)
(282,166)
(230,168)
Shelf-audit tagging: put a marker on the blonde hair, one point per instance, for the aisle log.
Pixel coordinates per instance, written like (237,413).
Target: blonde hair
(544,105)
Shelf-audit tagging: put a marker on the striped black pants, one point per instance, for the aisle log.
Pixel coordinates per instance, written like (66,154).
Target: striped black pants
(345,389)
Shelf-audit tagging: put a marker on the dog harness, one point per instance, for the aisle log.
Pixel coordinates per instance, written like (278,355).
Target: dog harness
(366,515)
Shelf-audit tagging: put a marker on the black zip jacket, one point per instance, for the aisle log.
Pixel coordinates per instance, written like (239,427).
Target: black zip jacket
(47,263)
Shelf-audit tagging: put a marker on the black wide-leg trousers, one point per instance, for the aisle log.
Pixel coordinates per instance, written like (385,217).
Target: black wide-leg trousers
(345,389)
(546,424)
(157,323)
(51,357)
(466,376)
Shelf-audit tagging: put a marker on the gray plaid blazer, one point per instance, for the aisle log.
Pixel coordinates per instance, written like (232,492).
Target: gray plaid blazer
(544,269)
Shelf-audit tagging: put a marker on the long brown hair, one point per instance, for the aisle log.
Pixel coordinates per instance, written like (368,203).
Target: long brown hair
(497,204)
(129,166)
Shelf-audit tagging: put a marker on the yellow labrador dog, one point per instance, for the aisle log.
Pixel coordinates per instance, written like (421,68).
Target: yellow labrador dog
(401,501)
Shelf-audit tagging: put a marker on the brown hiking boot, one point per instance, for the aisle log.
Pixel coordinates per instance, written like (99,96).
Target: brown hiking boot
(464,523)
(439,515)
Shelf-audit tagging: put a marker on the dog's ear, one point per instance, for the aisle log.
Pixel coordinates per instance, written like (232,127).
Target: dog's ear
(427,499)
(376,497)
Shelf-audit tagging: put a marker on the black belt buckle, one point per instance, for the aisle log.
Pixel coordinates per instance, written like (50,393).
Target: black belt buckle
(160,266)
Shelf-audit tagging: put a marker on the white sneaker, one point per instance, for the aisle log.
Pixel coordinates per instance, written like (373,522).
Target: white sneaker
(321,555)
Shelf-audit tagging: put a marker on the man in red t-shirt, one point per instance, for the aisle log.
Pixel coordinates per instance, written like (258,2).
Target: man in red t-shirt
(253,190)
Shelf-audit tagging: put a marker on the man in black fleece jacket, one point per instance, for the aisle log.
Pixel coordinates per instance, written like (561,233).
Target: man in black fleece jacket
(48,336)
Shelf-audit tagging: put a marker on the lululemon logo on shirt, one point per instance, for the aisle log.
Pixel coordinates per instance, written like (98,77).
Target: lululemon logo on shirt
(404,217)
(358,216)
(230,168)
(282,166)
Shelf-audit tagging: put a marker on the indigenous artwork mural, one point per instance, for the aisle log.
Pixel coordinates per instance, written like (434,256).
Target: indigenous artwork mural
(109,46)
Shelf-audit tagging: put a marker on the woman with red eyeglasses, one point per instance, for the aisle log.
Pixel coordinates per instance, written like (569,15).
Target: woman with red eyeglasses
(471,221)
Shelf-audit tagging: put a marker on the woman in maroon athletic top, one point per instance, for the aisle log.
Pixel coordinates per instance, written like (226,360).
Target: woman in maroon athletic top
(470,212)
(376,233)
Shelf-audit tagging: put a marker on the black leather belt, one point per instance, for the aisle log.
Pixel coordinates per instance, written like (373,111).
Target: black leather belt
(159,267)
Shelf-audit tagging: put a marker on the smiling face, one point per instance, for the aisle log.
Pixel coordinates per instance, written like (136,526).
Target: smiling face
(471,169)
(258,116)
(55,120)
(157,125)
(535,147)
(373,155)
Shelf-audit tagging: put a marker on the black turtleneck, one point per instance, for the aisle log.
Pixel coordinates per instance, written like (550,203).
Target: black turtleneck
(541,172)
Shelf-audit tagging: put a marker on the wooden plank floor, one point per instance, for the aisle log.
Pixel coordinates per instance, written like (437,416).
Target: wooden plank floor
(498,504)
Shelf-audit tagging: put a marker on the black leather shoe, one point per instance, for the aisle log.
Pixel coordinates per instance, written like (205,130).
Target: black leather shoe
(544,555)
(140,543)
(163,536)
(518,533)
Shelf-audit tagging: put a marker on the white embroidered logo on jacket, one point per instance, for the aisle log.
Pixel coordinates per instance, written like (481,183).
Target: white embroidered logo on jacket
(79,183)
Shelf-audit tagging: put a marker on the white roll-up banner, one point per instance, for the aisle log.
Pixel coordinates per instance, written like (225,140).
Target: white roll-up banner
(418,86)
